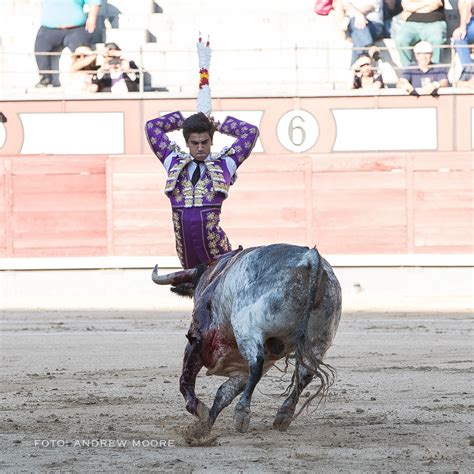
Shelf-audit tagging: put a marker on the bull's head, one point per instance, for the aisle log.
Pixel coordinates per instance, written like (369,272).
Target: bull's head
(183,282)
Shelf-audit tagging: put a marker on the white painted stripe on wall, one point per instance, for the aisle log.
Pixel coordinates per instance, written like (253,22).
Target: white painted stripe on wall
(385,129)
(87,133)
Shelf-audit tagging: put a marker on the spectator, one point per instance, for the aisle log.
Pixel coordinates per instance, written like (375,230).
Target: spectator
(463,35)
(63,24)
(365,77)
(425,21)
(117,78)
(116,74)
(467,77)
(423,78)
(83,67)
(365,24)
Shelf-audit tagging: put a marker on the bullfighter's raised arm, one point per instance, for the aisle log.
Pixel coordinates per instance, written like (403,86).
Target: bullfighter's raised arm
(157,129)
(246,135)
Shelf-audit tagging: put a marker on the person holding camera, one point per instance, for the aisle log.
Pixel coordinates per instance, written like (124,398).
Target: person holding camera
(365,77)
(116,75)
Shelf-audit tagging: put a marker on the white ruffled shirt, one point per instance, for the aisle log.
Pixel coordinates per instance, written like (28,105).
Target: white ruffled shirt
(230,163)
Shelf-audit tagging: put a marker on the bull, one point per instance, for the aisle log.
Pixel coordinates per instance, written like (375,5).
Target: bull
(253,307)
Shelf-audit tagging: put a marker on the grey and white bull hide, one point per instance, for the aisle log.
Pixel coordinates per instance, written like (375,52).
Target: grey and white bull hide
(253,307)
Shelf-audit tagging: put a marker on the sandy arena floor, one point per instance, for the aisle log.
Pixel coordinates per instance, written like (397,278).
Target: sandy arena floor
(98,391)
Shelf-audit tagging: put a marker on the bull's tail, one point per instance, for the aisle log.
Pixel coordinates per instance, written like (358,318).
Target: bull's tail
(307,356)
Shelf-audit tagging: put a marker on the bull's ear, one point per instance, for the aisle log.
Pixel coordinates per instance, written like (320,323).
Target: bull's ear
(176,278)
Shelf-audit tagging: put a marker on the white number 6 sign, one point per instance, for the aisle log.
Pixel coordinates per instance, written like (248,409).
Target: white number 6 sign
(297,130)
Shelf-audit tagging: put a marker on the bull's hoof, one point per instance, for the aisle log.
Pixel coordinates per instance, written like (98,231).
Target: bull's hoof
(282,421)
(241,418)
(202,412)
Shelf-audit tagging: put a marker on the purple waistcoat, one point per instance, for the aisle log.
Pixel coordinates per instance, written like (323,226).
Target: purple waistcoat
(196,209)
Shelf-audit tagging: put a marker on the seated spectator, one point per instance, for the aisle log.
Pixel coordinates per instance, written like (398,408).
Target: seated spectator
(463,35)
(117,75)
(424,78)
(365,25)
(112,50)
(467,77)
(63,24)
(365,77)
(425,21)
(118,78)
(83,67)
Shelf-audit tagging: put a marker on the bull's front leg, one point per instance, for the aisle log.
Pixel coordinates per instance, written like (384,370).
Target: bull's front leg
(192,364)
(242,409)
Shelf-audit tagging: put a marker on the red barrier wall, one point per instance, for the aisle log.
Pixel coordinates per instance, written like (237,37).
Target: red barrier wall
(365,203)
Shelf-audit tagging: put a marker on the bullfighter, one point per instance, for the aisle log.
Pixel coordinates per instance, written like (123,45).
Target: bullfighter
(199,181)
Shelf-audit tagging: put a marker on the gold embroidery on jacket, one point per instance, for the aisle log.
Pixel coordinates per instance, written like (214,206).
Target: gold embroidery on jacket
(214,234)
(178,236)
(195,196)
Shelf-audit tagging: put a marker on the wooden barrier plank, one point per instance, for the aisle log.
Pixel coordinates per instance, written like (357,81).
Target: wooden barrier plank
(438,235)
(140,200)
(58,165)
(59,183)
(60,252)
(45,238)
(436,180)
(55,202)
(357,162)
(437,161)
(340,240)
(34,222)
(359,180)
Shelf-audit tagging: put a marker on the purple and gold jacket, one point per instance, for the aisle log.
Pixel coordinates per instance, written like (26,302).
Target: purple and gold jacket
(196,209)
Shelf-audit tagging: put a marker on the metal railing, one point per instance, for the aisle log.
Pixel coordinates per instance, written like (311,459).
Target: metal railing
(329,65)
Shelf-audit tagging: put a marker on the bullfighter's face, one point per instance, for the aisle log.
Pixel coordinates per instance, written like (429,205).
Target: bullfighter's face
(199,145)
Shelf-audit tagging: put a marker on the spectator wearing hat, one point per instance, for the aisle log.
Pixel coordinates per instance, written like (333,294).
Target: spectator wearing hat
(365,77)
(424,21)
(63,24)
(365,24)
(463,35)
(424,77)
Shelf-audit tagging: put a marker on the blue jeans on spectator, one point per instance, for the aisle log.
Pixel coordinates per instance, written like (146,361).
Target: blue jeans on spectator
(462,47)
(364,37)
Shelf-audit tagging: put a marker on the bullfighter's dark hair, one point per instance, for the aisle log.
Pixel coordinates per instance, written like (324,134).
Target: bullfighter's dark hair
(197,123)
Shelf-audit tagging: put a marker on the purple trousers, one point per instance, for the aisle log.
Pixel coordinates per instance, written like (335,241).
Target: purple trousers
(198,235)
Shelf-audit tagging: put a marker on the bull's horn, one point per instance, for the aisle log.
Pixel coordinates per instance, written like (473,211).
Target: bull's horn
(183,276)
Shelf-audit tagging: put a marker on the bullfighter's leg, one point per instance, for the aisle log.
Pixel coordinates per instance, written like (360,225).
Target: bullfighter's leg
(224,396)
(285,414)
(192,364)
(242,409)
